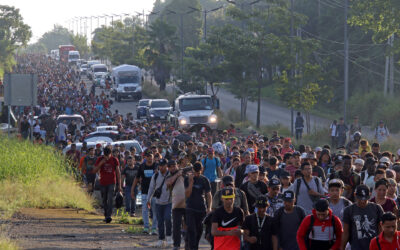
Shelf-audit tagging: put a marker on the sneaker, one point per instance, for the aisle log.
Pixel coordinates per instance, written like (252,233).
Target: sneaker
(160,243)
(145,230)
(108,219)
(176,248)
(170,242)
(153,232)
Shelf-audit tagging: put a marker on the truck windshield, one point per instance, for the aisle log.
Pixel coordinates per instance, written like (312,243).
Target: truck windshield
(160,104)
(128,79)
(100,70)
(73,56)
(188,104)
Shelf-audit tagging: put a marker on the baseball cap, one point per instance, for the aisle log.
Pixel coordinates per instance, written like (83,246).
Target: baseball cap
(171,162)
(228,193)
(359,161)
(321,205)
(274,182)
(285,174)
(384,160)
(311,156)
(288,195)
(227,180)
(262,201)
(252,169)
(362,192)
(318,149)
(335,183)
(163,162)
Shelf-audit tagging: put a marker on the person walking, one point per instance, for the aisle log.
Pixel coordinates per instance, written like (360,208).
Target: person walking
(212,168)
(389,238)
(341,131)
(109,177)
(381,132)
(128,175)
(158,189)
(198,203)
(332,133)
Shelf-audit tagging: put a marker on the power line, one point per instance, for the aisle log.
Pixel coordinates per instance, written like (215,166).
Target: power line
(331,4)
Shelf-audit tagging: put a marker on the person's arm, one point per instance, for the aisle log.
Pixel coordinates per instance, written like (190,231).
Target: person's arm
(248,238)
(188,190)
(99,165)
(209,201)
(151,190)
(338,234)
(118,172)
(244,206)
(135,181)
(274,242)
(172,179)
(215,232)
(219,169)
(83,169)
(345,235)
(302,231)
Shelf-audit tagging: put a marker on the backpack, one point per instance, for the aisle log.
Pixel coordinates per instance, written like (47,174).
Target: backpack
(311,230)
(377,242)
(316,179)
(205,162)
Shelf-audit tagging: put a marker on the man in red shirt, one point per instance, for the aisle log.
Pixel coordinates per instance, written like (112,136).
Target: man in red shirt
(109,175)
(389,238)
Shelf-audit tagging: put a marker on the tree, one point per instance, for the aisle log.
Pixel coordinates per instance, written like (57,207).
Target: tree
(158,52)
(56,37)
(14,33)
(80,43)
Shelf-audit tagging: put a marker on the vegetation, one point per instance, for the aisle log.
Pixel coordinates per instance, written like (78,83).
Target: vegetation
(36,176)
(6,244)
(14,34)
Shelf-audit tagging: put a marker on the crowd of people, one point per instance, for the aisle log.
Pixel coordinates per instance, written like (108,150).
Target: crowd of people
(238,191)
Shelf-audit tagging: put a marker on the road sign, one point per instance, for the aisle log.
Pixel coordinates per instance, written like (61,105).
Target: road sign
(20,89)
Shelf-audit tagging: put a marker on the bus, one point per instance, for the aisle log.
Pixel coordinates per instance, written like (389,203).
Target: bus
(64,51)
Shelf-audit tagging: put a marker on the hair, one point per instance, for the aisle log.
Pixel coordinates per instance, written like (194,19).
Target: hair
(383,181)
(287,156)
(375,144)
(306,163)
(363,142)
(107,151)
(379,171)
(387,154)
(302,148)
(388,216)
(197,165)
(273,160)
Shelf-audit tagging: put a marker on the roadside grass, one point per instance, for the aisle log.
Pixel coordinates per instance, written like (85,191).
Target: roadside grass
(36,176)
(123,217)
(6,244)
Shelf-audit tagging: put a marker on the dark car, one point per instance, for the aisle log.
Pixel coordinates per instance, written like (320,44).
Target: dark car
(158,110)
(141,108)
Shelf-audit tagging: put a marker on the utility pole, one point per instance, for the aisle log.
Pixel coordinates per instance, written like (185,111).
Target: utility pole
(391,68)
(385,87)
(346,59)
(292,70)
(181,21)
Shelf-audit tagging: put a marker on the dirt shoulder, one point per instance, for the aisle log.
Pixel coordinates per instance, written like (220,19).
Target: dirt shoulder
(72,229)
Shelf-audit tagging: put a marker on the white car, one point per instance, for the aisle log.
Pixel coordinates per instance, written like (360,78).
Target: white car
(106,128)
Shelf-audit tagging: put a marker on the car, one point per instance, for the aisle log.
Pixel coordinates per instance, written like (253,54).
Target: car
(98,77)
(69,118)
(141,108)
(101,135)
(128,144)
(80,144)
(158,110)
(106,128)
(194,110)
(83,69)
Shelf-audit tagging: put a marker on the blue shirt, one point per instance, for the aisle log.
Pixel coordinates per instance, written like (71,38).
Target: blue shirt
(210,168)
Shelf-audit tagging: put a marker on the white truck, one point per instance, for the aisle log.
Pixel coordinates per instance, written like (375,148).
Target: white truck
(127,82)
(73,57)
(192,109)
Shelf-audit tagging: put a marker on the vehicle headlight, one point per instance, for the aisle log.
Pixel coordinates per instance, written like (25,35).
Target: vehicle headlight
(151,115)
(139,89)
(213,119)
(183,121)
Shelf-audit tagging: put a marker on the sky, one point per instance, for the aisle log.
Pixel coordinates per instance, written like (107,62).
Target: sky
(41,15)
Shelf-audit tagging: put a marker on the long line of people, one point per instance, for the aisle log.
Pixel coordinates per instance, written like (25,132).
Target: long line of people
(243,191)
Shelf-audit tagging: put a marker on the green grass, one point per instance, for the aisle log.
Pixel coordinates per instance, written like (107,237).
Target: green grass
(134,230)
(36,176)
(6,244)
(123,217)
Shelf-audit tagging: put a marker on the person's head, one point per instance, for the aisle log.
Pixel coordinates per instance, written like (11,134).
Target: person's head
(162,166)
(262,174)
(347,163)
(197,167)
(396,168)
(392,188)
(107,151)
(273,161)
(285,178)
(246,157)
(358,164)
(227,181)
(261,204)
(252,171)
(335,188)
(341,120)
(306,169)
(91,151)
(375,147)
(286,142)
(362,195)
(73,146)
(210,152)
(389,224)
(379,174)
(274,186)
(370,165)
(289,200)
(381,188)
(381,124)
(357,136)
(322,209)
(149,157)
(228,196)
(172,166)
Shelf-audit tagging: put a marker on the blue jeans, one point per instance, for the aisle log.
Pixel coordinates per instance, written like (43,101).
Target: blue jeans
(164,220)
(145,212)
(130,204)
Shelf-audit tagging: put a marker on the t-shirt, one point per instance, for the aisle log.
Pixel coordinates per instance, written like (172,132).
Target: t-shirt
(178,193)
(264,236)
(363,224)
(130,174)
(274,204)
(303,198)
(210,168)
(338,208)
(108,170)
(333,127)
(388,206)
(196,201)
(274,173)
(251,192)
(287,225)
(227,222)
(89,162)
(146,172)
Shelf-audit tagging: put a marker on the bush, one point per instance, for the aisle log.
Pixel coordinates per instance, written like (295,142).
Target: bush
(6,244)
(36,176)
(153,92)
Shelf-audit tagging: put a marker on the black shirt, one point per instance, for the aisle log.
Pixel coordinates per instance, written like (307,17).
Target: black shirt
(196,201)
(240,175)
(130,174)
(146,172)
(228,220)
(251,198)
(264,237)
